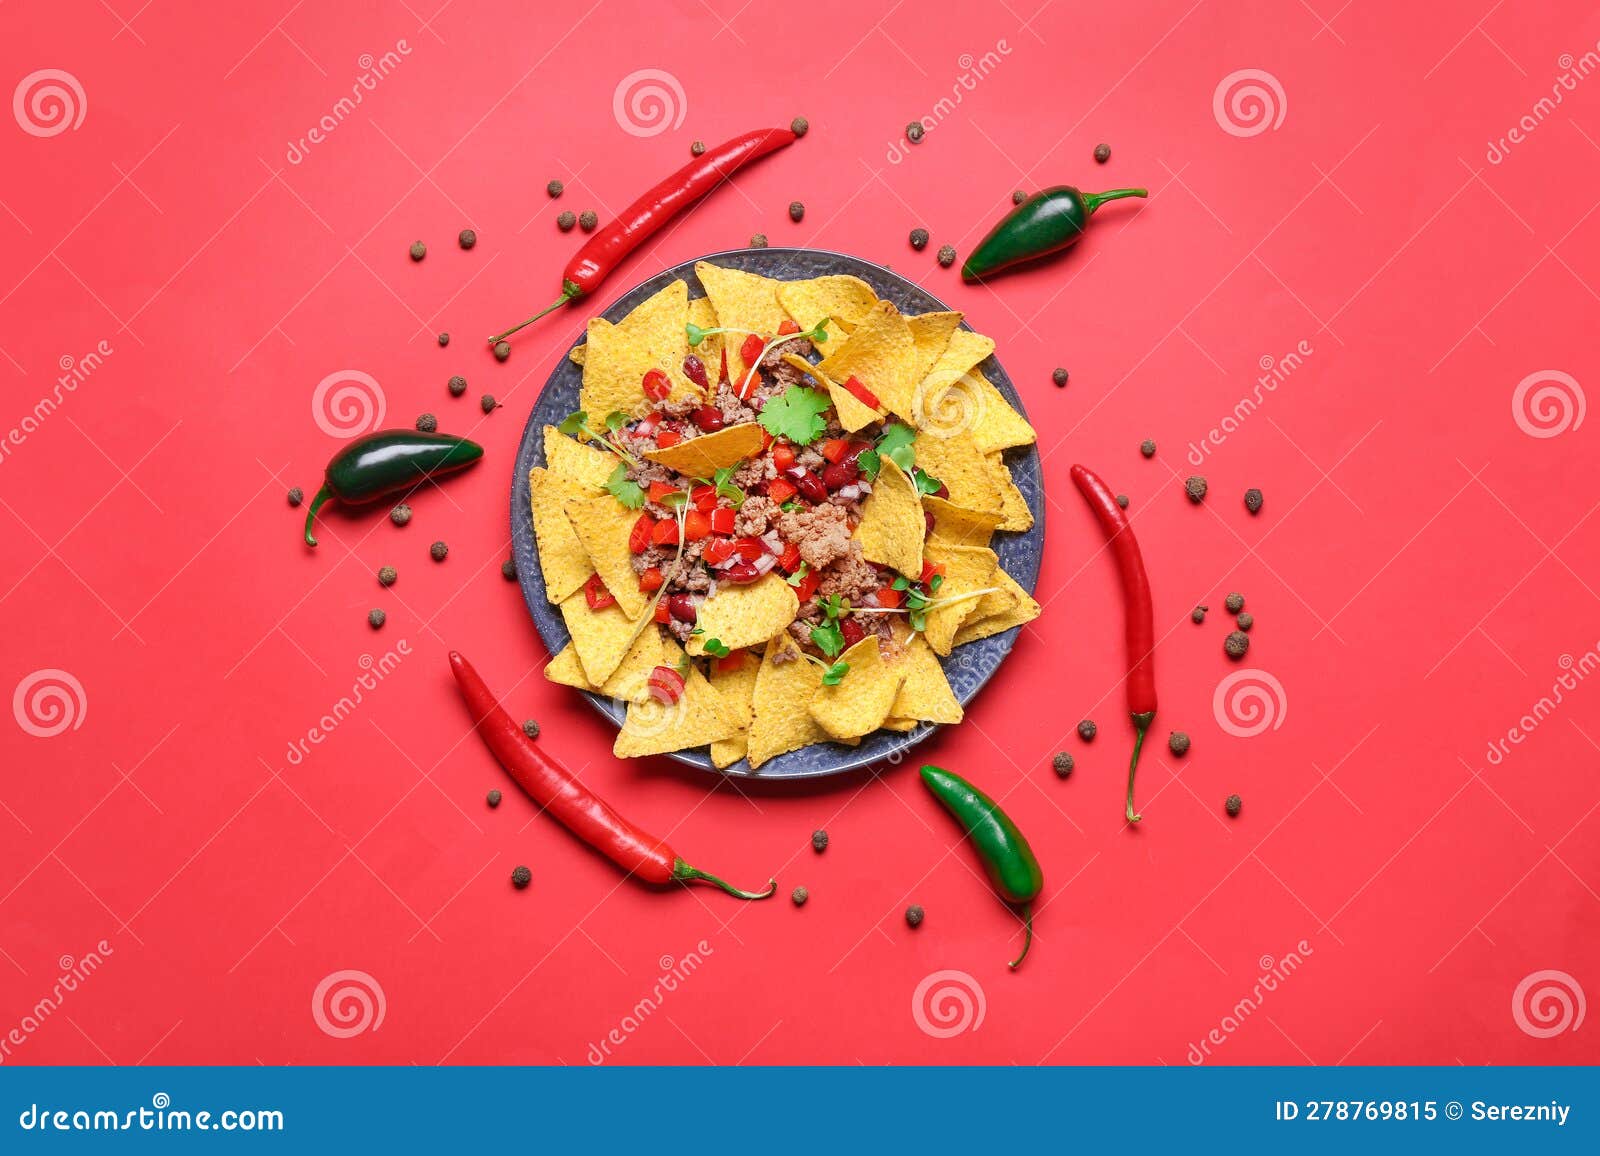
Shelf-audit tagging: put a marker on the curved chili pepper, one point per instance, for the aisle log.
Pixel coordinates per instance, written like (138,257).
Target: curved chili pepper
(572,805)
(605,250)
(389,462)
(1136,607)
(1045,223)
(1006,855)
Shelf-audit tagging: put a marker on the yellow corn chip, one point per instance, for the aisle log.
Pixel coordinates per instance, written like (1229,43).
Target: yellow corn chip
(956,462)
(967,570)
(860,702)
(930,335)
(629,682)
(957,524)
(964,350)
(601,637)
(847,298)
(654,336)
(579,353)
(925,696)
(785,683)
(603,525)
(737,686)
(998,426)
(702,456)
(836,333)
(880,355)
(899,724)
(742,301)
(1013,506)
(891,526)
(745,615)
(1022,609)
(573,460)
(853,413)
(562,558)
(697,719)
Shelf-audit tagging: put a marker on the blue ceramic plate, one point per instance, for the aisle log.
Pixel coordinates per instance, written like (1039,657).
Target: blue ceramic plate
(968,668)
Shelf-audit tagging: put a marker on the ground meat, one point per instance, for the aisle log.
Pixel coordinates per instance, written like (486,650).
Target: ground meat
(773,358)
(756,516)
(680,630)
(647,471)
(810,459)
(852,576)
(734,411)
(751,471)
(678,407)
(653,556)
(822,534)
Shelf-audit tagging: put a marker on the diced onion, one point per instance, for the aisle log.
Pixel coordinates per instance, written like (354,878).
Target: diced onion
(764,563)
(849,493)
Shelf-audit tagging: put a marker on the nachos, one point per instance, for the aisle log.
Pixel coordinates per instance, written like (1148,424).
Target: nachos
(774,513)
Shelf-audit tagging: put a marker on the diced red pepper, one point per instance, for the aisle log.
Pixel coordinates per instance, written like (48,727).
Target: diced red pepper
(780,490)
(749,549)
(790,558)
(787,328)
(808,584)
(750,351)
(665,533)
(861,393)
(718,550)
(703,498)
(766,441)
(660,491)
(663,614)
(852,631)
(723,520)
(724,378)
(696,526)
(783,455)
(650,580)
(657,385)
(888,597)
(834,449)
(733,660)
(668,437)
(646,425)
(666,685)
(929,569)
(596,594)
(639,536)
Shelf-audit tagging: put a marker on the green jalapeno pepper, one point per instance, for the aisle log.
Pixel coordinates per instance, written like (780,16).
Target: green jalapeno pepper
(389,462)
(1006,856)
(1045,223)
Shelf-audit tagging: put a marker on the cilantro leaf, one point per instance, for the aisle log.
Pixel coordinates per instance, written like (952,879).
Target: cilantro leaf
(796,414)
(615,420)
(896,444)
(696,334)
(829,638)
(834,675)
(926,482)
(869,464)
(725,487)
(574,423)
(799,575)
(835,606)
(623,488)
(716,649)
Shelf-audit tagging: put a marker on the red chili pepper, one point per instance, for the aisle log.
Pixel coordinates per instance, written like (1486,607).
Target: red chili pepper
(1139,616)
(596,594)
(665,685)
(639,536)
(656,385)
(861,393)
(569,802)
(605,250)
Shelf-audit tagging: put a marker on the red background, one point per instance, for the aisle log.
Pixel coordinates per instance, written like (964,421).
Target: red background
(1420,568)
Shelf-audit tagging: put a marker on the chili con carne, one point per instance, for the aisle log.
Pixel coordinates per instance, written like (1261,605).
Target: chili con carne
(389,462)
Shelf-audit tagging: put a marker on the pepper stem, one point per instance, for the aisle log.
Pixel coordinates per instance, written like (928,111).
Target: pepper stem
(684,873)
(1141,724)
(316,504)
(1092,201)
(569,290)
(1027,915)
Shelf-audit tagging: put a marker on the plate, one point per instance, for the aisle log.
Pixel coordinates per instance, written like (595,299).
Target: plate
(967,668)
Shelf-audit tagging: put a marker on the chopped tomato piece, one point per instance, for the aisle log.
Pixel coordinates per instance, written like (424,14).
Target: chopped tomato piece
(790,558)
(929,569)
(663,613)
(724,378)
(787,328)
(657,385)
(668,437)
(783,455)
(722,520)
(639,536)
(733,660)
(766,441)
(596,594)
(834,449)
(808,584)
(666,685)
(665,533)
(750,351)
(695,526)
(718,550)
(861,393)
(650,581)
(703,498)
(661,491)
(852,632)
(646,425)
(888,597)
(750,548)
(780,490)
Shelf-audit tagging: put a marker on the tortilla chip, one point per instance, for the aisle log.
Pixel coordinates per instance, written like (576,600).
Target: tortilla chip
(959,525)
(602,638)
(853,413)
(653,336)
(899,724)
(778,720)
(967,569)
(930,336)
(925,696)
(737,686)
(1013,506)
(964,350)
(891,526)
(702,456)
(835,334)
(998,427)
(1022,609)
(629,682)
(603,525)
(968,475)
(746,615)
(742,301)
(574,461)
(562,558)
(880,355)
(699,717)
(860,702)
(847,298)
(579,353)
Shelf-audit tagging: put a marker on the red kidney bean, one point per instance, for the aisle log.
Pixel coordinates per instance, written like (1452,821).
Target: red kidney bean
(927,520)
(809,485)
(838,475)
(695,370)
(708,418)
(682,607)
(741,572)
